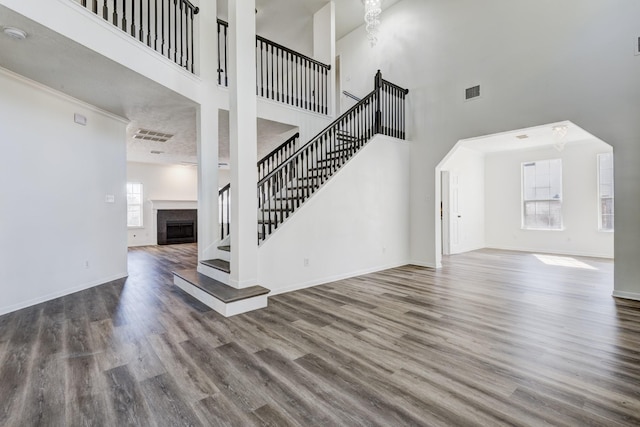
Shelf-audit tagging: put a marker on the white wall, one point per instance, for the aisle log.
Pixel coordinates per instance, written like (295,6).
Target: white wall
(580,235)
(469,166)
(357,223)
(160,182)
(57,233)
(537,62)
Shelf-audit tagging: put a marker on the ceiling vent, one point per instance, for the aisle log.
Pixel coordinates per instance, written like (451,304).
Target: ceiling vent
(156,152)
(150,135)
(472,92)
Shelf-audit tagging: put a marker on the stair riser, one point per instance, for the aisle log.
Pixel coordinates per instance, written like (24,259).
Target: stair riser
(224,255)
(214,273)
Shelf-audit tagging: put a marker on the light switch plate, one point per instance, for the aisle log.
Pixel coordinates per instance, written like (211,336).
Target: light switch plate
(110,198)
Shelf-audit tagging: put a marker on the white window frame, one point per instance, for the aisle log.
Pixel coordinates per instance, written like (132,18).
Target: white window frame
(139,206)
(600,212)
(524,200)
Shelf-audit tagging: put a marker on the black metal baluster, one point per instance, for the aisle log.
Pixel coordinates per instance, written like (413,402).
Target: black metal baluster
(182,33)
(175,30)
(155,24)
(140,24)
(114,15)
(105,10)
(162,35)
(124,15)
(273,95)
(133,18)
(261,68)
(277,74)
(288,73)
(226,64)
(219,55)
(148,23)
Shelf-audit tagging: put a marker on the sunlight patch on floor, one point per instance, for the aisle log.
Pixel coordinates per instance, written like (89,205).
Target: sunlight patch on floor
(563,261)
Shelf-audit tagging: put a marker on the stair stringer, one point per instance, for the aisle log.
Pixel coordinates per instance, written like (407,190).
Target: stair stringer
(355,223)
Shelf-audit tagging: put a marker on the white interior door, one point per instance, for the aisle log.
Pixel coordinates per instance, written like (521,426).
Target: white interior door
(456,223)
(444,212)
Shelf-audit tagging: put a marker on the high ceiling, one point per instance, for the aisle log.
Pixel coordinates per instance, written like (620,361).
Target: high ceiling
(64,65)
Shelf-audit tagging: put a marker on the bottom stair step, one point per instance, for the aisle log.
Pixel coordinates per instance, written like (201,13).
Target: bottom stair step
(219,290)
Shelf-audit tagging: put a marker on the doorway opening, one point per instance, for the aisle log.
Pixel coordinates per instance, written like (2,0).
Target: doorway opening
(546,190)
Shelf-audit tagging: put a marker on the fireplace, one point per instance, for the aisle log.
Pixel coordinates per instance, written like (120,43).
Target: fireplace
(177,226)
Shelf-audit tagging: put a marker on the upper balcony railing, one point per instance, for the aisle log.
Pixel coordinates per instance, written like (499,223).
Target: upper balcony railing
(282,74)
(163,25)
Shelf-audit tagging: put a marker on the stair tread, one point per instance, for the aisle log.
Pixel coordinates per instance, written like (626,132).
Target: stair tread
(219,290)
(218,264)
(226,248)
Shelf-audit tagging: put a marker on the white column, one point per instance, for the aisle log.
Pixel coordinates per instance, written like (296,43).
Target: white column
(324,46)
(207,129)
(243,143)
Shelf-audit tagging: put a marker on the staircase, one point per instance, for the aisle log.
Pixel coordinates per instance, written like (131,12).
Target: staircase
(288,177)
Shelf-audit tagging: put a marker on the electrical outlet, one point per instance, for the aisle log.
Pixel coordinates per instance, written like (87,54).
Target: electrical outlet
(86,264)
(306,262)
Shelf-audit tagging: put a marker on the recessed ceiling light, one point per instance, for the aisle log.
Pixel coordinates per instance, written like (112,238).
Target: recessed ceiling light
(522,136)
(15,33)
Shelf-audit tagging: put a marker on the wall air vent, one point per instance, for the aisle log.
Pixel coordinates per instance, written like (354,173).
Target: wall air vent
(150,135)
(638,47)
(472,92)
(522,136)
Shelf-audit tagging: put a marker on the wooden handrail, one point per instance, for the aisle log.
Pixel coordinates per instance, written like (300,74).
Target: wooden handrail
(323,132)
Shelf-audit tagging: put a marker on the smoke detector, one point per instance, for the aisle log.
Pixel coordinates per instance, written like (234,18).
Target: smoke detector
(14,33)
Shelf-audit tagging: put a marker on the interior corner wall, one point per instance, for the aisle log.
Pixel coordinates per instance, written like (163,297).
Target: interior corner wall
(358,222)
(58,232)
(159,182)
(536,62)
(469,166)
(580,235)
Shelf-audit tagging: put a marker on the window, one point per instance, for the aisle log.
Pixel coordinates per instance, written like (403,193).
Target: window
(134,204)
(605,191)
(542,195)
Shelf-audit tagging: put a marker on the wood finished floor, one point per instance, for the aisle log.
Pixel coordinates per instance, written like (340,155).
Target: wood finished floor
(494,338)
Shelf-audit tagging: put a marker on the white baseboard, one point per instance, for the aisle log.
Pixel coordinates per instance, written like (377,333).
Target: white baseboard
(329,279)
(58,294)
(626,295)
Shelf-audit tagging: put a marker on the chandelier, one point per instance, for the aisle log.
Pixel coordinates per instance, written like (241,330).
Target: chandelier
(372,10)
(559,136)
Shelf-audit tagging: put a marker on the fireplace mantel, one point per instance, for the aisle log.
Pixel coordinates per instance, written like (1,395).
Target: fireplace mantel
(173,204)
